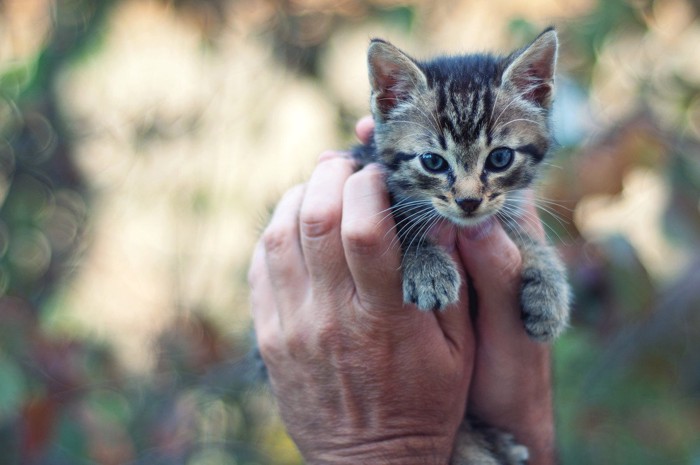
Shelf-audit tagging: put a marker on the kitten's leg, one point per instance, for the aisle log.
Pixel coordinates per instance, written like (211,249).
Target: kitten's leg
(430,277)
(478,444)
(545,295)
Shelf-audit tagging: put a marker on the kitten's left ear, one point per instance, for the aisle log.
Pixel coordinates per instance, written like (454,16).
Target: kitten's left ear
(531,70)
(393,75)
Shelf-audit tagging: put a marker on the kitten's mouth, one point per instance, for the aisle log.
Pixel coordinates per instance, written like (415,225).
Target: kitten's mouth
(470,219)
(461,218)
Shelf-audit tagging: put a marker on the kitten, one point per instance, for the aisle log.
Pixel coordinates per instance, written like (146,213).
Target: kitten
(459,138)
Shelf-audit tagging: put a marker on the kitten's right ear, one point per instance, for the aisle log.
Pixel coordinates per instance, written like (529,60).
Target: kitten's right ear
(393,76)
(531,70)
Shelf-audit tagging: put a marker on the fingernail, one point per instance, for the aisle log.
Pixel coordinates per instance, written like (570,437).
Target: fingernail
(478,231)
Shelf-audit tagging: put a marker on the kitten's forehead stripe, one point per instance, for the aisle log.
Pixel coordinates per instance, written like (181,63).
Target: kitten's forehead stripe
(473,122)
(443,143)
(443,111)
(464,93)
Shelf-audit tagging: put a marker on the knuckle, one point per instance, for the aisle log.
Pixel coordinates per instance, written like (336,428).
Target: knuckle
(278,238)
(318,339)
(319,220)
(297,342)
(361,237)
(268,344)
(328,337)
(321,210)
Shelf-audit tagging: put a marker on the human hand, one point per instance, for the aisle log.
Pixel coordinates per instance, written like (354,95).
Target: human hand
(511,385)
(358,377)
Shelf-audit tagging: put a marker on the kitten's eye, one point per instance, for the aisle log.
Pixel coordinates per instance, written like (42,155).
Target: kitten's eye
(499,159)
(434,163)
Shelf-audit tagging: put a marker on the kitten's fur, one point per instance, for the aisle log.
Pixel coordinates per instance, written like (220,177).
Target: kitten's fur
(438,124)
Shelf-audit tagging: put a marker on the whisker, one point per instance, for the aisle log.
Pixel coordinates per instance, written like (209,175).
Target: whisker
(554,203)
(412,221)
(523,119)
(434,221)
(415,222)
(421,224)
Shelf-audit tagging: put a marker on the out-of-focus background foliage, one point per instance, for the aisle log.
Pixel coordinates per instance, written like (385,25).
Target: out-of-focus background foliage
(143,141)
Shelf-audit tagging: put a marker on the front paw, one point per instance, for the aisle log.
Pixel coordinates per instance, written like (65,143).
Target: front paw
(430,279)
(544,301)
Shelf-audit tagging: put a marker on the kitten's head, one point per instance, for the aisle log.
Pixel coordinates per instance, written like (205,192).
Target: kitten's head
(461,133)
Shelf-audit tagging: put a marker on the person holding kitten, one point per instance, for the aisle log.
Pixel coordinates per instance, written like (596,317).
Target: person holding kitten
(357,377)
(381,354)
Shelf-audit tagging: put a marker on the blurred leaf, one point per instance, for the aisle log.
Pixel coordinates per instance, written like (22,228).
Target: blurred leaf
(14,79)
(110,405)
(402,17)
(12,388)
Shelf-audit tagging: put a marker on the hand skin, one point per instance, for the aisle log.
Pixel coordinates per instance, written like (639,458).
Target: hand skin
(359,376)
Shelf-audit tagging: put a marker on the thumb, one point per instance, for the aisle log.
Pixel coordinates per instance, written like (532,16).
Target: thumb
(493,263)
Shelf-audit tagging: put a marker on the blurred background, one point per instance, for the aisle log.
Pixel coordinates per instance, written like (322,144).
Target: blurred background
(143,143)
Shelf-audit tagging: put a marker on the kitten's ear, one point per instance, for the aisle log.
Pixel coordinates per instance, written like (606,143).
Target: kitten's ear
(393,76)
(531,70)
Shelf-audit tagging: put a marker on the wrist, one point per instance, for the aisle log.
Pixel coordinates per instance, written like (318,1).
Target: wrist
(399,451)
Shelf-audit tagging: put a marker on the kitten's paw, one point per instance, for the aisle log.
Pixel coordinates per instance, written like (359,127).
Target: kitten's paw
(483,445)
(430,279)
(544,301)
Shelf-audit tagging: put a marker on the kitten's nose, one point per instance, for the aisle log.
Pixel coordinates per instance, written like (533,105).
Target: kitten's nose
(468,204)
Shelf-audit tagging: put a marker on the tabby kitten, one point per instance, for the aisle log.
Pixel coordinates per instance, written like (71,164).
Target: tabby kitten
(460,137)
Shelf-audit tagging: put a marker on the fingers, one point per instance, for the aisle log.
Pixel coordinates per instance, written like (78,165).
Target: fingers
(263,305)
(373,255)
(371,248)
(282,249)
(493,263)
(364,129)
(320,218)
(511,371)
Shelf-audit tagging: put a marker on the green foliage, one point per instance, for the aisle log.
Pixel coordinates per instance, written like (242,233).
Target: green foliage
(11,390)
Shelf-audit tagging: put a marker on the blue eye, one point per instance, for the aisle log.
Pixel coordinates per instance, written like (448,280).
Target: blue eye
(434,163)
(499,159)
